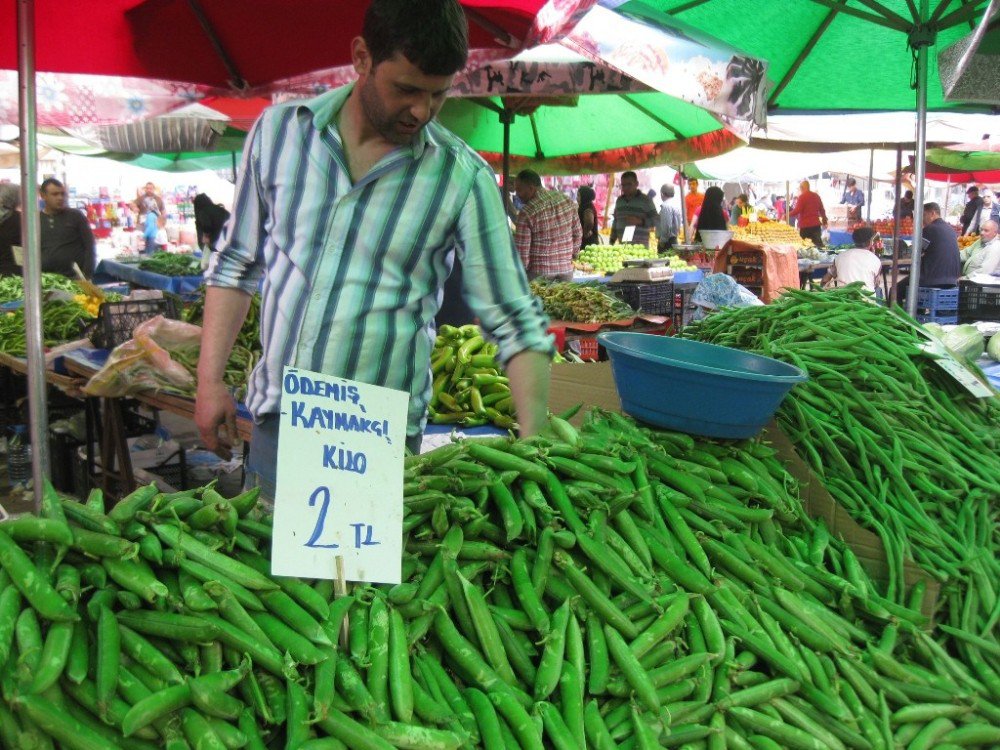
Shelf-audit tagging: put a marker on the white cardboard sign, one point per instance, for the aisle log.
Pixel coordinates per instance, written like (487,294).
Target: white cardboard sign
(340,479)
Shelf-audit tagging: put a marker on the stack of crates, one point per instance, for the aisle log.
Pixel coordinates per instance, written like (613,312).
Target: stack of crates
(937,305)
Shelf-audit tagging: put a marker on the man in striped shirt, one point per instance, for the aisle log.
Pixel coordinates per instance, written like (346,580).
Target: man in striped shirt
(351,207)
(548,234)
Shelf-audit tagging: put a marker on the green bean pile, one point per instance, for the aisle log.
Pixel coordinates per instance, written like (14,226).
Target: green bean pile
(61,322)
(580,303)
(12,287)
(907,451)
(607,587)
(171,264)
(246,349)
(470,389)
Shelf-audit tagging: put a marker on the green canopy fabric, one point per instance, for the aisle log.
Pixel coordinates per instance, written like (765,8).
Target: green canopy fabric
(972,161)
(590,134)
(825,54)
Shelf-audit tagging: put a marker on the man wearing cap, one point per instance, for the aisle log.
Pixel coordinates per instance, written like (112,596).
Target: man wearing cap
(970,216)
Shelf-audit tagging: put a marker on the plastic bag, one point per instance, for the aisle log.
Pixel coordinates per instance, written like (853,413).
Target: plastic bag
(144,362)
(825,234)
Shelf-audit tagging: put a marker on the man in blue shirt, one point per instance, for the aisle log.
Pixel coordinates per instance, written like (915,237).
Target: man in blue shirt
(854,199)
(941,262)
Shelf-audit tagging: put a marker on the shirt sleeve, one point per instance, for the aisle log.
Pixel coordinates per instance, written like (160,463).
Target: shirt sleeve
(87,250)
(577,235)
(522,238)
(651,213)
(239,261)
(494,283)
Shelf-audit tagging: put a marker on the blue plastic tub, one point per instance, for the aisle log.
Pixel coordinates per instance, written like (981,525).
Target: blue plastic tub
(698,388)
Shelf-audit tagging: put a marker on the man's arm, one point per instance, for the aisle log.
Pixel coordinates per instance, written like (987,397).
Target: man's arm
(87,249)
(577,233)
(529,385)
(522,239)
(652,215)
(225,311)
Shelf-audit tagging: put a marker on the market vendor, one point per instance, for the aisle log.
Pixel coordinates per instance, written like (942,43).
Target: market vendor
(633,209)
(811,215)
(352,206)
(853,198)
(548,233)
(66,239)
(941,262)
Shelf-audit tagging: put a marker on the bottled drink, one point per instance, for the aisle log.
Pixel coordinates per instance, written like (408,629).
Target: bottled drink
(19,457)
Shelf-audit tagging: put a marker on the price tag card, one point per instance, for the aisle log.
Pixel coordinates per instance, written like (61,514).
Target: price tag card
(340,479)
(944,359)
(628,234)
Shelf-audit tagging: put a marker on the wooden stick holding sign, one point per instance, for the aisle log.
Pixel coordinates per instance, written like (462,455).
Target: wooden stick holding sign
(340,590)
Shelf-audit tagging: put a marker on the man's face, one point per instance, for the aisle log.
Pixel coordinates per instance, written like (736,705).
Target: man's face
(929,216)
(54,197)
(852,187)
(988,232)
(524,191)
(397,97)
(987,199)
(150,189)
(693,186)
(629,186)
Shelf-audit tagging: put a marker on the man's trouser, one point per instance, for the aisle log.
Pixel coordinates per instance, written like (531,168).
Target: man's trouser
(812,233)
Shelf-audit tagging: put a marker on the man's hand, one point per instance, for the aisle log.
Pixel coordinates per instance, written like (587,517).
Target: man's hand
(529,384)
(214,408)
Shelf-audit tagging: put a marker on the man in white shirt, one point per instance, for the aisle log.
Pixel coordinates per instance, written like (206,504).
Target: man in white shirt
(860,263)
(986,259)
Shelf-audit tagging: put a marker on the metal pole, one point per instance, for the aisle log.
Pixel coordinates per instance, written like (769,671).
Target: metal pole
(947,194)
(895,226)
(871,177)
(921,40)
(506,117)
(32,253)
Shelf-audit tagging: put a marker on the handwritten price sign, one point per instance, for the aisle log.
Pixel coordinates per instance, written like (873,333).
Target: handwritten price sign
(340,479)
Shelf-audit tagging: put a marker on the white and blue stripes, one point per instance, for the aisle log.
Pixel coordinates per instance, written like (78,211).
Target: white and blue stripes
(352,272)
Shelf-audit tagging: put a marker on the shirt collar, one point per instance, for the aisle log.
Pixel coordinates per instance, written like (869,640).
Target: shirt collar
(327,106)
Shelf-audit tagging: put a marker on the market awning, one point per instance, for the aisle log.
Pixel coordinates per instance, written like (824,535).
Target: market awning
(242,44)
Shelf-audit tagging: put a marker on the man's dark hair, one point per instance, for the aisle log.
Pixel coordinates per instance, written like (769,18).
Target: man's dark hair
(630,174)
(934,208)
(529,177)
(432,34)
(745,198)
(971,190)
(667,191)
(862,236)
(851,182)
(49,181)
(908,194)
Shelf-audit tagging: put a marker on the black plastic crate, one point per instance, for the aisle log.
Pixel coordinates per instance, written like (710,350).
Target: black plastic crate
(978,302)
(655,298)
(117,320)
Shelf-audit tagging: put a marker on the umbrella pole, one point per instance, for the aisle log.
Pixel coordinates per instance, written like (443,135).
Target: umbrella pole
(947,194)
(788,201)
(871,177)
(32,253)
(895,225)
(922,43)
(506,117)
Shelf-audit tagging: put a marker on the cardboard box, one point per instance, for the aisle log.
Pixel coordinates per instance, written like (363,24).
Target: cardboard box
(592,384)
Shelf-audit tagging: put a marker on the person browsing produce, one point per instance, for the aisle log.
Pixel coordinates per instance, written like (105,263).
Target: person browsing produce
(669,226)
(941,262)
(693,200)
(10,228)
(588,216)
(633,209)
(66,238)
(986,258)
(548,234)
(352,207)
(853,198)
(710,215)
(860,263)
(810,214)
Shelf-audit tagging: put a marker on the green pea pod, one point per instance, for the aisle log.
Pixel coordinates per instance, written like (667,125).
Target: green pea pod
(34,586)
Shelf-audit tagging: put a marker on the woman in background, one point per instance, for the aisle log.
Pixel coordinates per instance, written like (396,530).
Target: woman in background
(711,215)
(10,228)
(588,215)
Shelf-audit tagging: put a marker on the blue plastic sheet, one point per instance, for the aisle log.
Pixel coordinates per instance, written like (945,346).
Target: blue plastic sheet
(109,270)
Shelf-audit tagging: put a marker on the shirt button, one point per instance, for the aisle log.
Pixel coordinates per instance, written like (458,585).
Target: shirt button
(317,296)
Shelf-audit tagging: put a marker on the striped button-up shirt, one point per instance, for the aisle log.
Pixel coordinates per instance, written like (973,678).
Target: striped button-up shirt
(352,272)
(548,234)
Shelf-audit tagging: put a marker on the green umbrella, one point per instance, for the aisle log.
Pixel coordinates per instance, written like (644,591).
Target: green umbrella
(971,161)
(588,134)
(826,54)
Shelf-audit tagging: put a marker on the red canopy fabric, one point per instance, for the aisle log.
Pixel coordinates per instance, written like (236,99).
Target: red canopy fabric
(938,173)
(265,39)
